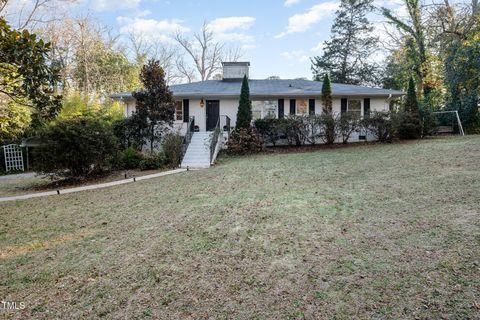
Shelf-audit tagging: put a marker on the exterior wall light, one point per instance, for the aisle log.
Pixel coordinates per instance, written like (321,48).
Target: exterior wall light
(202,103)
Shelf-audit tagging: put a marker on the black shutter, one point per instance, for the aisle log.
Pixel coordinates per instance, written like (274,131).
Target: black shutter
(186,110)
(311,106)
(281,111)
(366,108)
(343,105)
(292,106)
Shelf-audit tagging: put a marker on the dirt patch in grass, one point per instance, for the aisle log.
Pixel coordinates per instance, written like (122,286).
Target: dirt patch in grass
(382,232)
(18,250)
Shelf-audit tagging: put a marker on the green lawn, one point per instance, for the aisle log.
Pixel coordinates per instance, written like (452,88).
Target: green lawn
(367,232)
(13,185)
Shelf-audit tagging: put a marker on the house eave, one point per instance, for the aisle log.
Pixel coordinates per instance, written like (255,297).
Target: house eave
(196,95)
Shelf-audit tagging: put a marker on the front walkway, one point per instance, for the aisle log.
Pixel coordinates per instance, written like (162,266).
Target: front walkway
(19,176)
(90,187)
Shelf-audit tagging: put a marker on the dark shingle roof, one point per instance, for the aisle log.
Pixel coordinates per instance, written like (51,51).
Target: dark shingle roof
(269,88)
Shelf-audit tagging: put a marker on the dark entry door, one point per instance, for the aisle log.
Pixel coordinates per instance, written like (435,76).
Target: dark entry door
(213,113)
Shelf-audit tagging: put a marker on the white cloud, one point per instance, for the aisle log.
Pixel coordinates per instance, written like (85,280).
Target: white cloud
(387,3)
(301,22)
(222,25)
(110,5)
(143,13)
(151,29)
(318,48)
(230,29)
(297,55)
(289,3)
(234,37)
(248,46)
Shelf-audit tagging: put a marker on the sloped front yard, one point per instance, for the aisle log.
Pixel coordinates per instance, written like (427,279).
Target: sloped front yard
(382,231)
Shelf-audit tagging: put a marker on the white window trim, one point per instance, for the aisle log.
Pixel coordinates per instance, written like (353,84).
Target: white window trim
(296,108)
(262,110)
(175,116)
(361,105)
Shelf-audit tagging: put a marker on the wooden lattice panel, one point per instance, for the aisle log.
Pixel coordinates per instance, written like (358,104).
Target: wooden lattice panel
(13,157)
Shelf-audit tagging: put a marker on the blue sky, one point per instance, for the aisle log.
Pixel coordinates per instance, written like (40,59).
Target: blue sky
(278,37)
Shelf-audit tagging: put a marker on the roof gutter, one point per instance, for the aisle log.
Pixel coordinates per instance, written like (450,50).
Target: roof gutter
(198,95)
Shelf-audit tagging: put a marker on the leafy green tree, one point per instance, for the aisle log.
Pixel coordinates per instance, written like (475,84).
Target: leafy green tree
(102,70)
(155,105)
(327,95)
(14,120)
(459,43)
(398,68)
(78,105)
(346,56)
(413,29)
(25,74)
(244,113)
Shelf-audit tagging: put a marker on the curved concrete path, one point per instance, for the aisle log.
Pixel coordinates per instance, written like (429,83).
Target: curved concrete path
(90,187)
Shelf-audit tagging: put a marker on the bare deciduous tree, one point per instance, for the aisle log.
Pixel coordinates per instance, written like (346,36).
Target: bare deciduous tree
(167,55)
(206,53)
(31,14)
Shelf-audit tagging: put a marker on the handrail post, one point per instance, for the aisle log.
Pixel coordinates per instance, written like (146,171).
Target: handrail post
(214,140)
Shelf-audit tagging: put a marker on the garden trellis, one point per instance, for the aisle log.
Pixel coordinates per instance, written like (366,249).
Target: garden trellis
(13,157)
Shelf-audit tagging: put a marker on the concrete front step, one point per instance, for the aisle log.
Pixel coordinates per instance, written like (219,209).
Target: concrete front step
(198,151)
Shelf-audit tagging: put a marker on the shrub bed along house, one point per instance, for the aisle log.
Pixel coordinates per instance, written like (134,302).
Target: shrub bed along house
(82,147)
(330,128)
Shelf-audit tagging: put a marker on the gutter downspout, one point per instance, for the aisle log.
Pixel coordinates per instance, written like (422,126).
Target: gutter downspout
(387,101)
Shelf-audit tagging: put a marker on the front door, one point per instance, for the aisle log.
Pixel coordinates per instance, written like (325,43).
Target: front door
(213,113)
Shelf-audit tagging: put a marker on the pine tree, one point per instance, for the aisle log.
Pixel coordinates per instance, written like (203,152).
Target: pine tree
(327,95)
(244,113)
(346,55)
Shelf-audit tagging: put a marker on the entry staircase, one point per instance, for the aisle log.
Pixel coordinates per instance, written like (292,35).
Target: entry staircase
(201,148)
(198,151)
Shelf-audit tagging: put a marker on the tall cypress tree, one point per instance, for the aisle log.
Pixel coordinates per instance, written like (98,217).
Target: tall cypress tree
(411,103)
(346,55)
(326,94)
(244,113)
(410,126)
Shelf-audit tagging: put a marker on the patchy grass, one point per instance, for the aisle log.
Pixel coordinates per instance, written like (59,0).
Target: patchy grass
(378,231)
(13,185)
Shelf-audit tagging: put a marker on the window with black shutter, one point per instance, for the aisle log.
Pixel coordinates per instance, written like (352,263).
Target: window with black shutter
(311,106)
(292,106)
(281,111)
(366,108)
(186,110)
(343,105)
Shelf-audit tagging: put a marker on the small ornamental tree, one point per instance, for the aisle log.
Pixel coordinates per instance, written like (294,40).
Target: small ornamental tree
(155,104)
(244,113)
(327,95)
